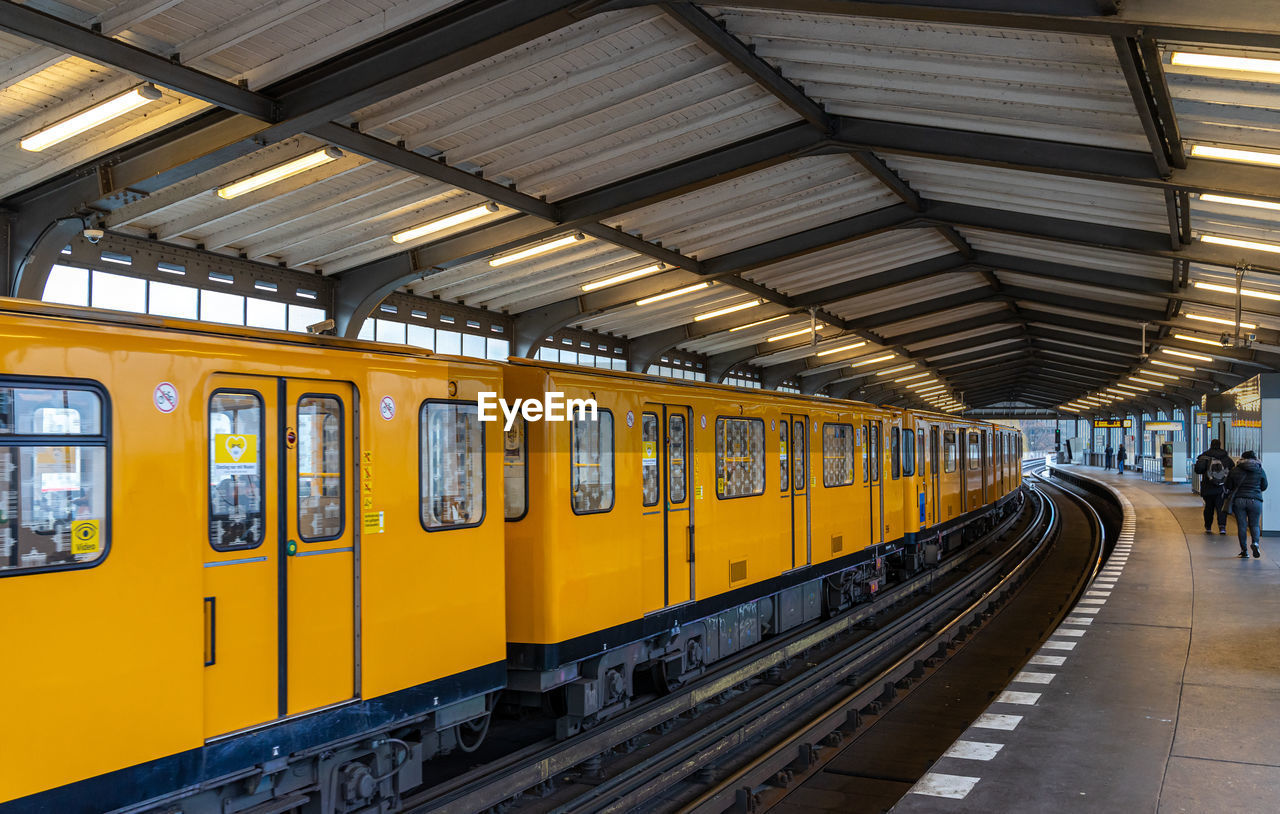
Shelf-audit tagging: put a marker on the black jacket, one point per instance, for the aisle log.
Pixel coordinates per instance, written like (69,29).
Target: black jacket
(1248,479)
(1207,487)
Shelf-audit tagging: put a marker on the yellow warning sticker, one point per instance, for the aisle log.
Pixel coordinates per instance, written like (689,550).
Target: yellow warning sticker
(84,537)
(367,502)
(720,485)
(650,451)
(373,522)
(784,448)
(235,454)
(699,492)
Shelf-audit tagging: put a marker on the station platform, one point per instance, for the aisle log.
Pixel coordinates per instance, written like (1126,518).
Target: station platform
(1158,692)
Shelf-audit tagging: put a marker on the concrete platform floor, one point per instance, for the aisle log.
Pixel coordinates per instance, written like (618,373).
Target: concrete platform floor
(1159,693)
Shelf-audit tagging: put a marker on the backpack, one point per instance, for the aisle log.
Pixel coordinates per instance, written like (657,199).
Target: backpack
(1217,473)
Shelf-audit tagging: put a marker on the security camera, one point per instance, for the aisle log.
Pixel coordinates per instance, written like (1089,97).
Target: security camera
(93,235)
(321,327)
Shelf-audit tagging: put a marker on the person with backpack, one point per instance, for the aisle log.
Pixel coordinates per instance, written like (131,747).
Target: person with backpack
(1213,466)
(1122,455)
(1246,483)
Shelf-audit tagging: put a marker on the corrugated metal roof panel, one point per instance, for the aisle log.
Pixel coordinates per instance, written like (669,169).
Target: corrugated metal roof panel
(907,293)
(1035,193)
(976,309)
(1214,106)
(1068,254)
(638,320)
(606,99)
(760,206)
(850,261)
(962,335)
(1082,290)
(1043,85)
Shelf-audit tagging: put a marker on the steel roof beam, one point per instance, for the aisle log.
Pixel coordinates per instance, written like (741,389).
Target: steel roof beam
(880,280)
(948,328)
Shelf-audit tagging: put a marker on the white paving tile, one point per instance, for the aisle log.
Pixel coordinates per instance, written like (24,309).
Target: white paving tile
(1097,593)
(1085,610)
(1088,601)
(1068,631)
(973,750)
(1014,697)
(1077,620)
(1052,645)
(1027,677)
(994,720)
(1047,661)
(936,784)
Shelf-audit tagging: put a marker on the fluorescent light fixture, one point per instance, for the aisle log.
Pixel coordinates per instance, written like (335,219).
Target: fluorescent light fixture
(792,334)
(1186,355)
(1146,381)
(1201,340)
(1233,154)
(742,306)
(447,222)
(1163,363)
(1160,375)
(933,389)
(1255,245)
(1225,63)
(872,360)
(914,385)
(1219,321)
(758,323)
(842,348)
(1068,409)
(897,370)
(1227,199)
(88,119)
(905,378)
(534,251)
(1128,389)
(634,274)
(280,172)
(1246,292)
(679,292)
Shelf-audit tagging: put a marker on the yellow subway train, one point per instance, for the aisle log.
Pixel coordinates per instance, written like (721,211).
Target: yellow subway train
(244,568)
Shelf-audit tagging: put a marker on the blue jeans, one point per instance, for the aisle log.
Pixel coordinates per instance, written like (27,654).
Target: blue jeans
(1248,512)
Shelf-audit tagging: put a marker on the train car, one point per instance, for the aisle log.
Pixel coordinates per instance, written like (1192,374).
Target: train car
(229,555)
(684,522)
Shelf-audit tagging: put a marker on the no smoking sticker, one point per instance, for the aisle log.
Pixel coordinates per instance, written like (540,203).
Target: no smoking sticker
(165,397)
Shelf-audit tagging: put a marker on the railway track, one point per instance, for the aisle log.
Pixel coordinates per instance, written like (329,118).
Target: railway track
(861,657)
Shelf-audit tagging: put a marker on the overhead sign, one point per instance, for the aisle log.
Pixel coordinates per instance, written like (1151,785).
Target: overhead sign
(1202,417)
(1112,423)
(1162,426)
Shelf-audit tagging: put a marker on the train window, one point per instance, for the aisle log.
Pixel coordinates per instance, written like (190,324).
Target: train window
(450,465)
(515,471)
(321,514)
(949,451)
(923,454)
(837,455)
(649,457)
(739,457)
(908,453)
(676,473)
(591,462)
(895,453)
(975,450)
(797,458)
(237,516)
(862,448)
(874,435)
(784,481)
(53,500)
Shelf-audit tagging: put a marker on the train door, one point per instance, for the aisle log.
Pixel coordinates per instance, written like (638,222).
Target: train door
(984,447)
(319,605)
(241,572)
(935,466)
(872,460)
(793,434)
(668,511)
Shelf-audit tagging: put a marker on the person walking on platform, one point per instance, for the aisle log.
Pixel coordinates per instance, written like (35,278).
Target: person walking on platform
(1121,456)
(1213,466)
(1108,457)
(1246,483)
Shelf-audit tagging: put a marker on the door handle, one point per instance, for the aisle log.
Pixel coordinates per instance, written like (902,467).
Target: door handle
(210,631)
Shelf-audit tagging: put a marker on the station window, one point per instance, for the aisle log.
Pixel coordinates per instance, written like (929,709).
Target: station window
(237,518)
(975,450)
(53,478)
(908,453)
(515,477)
(676,465)
(895,453)
(949,451)
(451,461)
(837,455)
(321,513)
(649,458)
(797,458)
(784,481)
(739,457)
(591,461)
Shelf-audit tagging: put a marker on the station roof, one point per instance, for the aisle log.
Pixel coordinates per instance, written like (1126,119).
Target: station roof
(1004,195)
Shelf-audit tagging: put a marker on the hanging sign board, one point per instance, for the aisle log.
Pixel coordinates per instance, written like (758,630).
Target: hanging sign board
(1111,423)
(1162,426)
